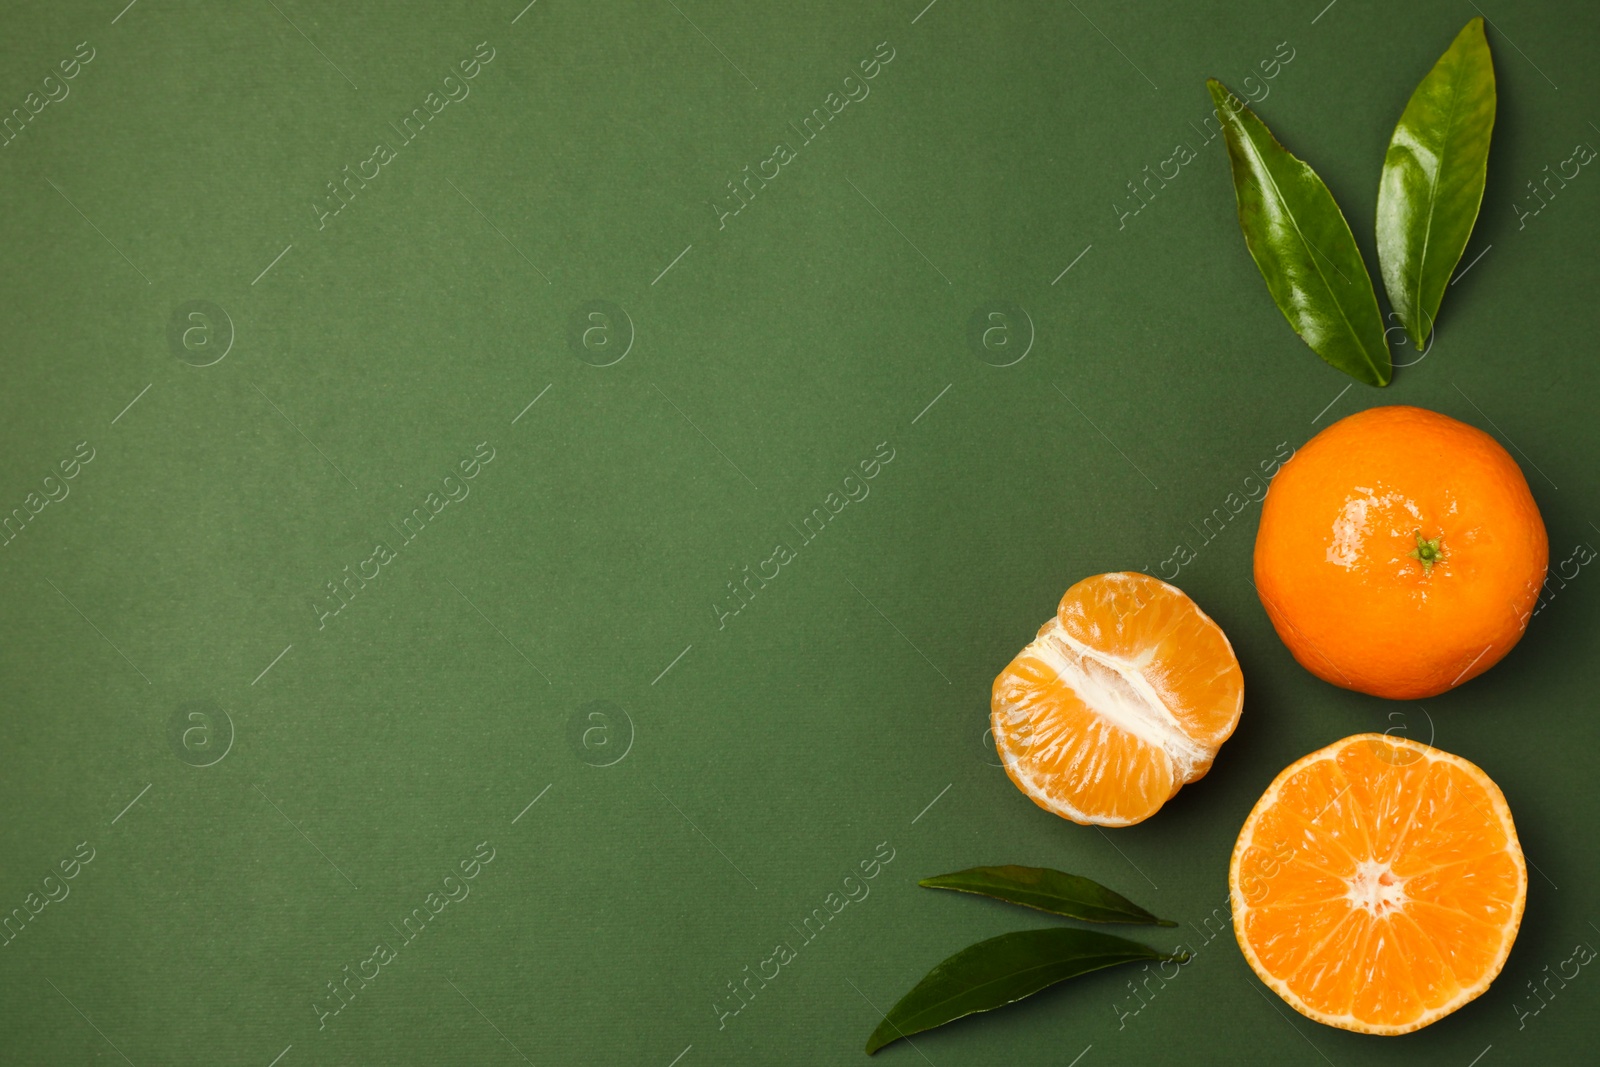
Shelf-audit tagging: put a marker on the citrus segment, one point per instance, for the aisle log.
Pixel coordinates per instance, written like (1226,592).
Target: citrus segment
(1122,698)
(1378,884)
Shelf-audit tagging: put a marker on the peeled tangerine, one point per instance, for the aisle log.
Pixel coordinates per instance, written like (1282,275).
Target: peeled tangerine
(1378,884)
(1123,699)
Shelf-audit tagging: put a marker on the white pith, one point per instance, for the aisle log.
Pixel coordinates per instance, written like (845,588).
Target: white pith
(1375,889)
(1134,706)
(1119,692)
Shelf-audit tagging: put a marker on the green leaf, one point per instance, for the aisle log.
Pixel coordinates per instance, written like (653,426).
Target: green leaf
(1433,178)
(1004,969)
(1303,245)
(1048,890)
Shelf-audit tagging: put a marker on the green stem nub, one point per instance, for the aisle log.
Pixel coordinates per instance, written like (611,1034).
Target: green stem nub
(1427,553)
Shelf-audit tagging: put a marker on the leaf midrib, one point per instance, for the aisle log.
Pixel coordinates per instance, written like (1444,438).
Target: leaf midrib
(1326,284)
(1108,959)
(1433,186)
(1039,901)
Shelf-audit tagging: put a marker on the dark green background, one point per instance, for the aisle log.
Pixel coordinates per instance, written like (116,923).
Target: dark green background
(773,356)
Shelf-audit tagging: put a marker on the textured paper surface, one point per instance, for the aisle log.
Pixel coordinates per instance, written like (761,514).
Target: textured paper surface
(427,372)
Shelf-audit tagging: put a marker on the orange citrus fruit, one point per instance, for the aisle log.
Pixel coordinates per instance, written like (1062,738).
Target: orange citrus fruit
(1400,553)
(1378,884)
(1123,698)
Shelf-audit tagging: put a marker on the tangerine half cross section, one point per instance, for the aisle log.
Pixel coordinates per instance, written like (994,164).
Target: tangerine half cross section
(1378,884)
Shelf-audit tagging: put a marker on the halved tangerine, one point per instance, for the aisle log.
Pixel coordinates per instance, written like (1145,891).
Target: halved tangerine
(1122,699)
(1378,884)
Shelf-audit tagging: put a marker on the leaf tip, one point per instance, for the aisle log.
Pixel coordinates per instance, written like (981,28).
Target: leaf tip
(1165,922)
(1225,99)
(1472,35)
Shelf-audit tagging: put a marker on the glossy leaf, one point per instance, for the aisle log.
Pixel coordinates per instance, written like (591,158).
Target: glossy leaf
(1433,176)
(1047,890)
(1004,969)
(1303,246)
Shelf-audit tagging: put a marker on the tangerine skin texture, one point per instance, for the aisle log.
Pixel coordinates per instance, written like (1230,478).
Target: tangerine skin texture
(1333,565)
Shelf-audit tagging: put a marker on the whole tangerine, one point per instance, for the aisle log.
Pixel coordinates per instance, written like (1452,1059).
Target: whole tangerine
(1400,553)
